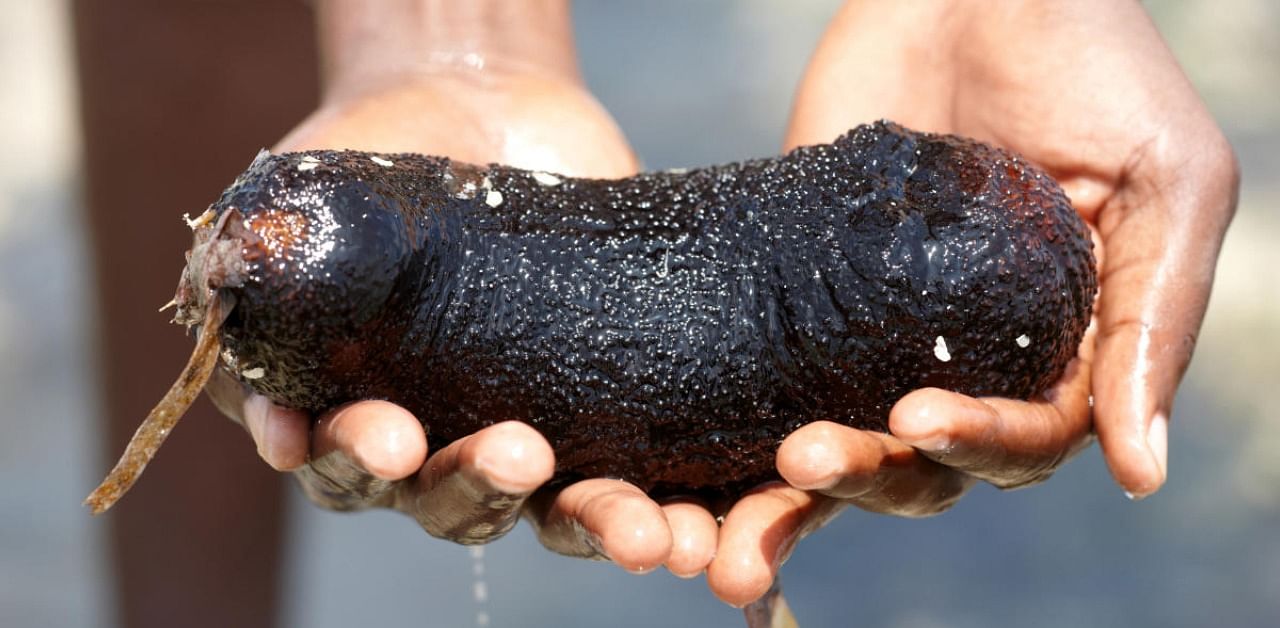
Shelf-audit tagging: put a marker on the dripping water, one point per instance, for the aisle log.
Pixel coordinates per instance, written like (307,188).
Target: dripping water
(479,587)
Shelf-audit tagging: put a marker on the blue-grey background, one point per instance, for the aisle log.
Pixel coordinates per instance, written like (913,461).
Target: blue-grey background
(693,83)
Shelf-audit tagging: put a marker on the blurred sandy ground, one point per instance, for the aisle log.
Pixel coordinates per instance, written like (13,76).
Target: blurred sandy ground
(707,82)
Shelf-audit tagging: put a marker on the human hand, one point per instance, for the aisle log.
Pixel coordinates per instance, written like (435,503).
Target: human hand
(1087,90)
(492,83)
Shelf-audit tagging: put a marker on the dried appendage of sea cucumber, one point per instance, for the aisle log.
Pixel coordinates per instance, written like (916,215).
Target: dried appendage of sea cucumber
(215,261)
(160,421)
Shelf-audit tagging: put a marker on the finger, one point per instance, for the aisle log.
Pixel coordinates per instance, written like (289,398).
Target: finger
(605,519)
(693,535)
(1163,232)
(472,490)
(281,434)
(757,537)
(873,471)
(359,451)
(1006,442)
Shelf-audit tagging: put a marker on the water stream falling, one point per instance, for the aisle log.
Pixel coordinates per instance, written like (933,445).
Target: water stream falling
(479,587)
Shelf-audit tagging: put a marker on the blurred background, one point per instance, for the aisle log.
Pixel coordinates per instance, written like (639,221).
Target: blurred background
(691,83)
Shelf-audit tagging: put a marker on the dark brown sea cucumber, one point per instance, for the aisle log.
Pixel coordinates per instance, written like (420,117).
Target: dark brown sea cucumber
(668,328)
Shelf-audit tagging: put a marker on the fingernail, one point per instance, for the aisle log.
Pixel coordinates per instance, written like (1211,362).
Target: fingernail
(270,447)
(925,431)
(934,443)
(255,415)
(1158,442)
(934,439)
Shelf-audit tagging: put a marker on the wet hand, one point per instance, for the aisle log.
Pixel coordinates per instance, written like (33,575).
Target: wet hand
(1088,91)
(374,454)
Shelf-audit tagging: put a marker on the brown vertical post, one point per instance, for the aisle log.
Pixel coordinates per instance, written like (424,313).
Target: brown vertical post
(176,99)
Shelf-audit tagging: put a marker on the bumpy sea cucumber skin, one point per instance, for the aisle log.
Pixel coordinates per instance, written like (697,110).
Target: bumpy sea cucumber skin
(668,329)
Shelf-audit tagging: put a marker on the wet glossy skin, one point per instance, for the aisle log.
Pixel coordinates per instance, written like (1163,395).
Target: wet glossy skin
(670,328)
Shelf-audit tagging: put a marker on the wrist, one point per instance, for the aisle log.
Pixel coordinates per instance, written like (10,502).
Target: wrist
(369,46)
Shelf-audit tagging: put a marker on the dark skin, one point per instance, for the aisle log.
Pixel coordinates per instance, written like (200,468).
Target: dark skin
(1129,140)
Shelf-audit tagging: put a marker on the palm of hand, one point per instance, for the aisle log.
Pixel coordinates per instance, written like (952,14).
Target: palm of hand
(525,121)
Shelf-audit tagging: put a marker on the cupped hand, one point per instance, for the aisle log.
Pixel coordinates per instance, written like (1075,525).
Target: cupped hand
(374,453)
(1087,90)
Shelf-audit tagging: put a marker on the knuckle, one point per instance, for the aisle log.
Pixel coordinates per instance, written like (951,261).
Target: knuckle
(1213,169)
(1223,161)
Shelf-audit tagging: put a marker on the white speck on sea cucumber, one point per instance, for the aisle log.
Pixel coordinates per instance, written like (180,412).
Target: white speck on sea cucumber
(308,163)
(493,198)
(1023,341)
(467,192)
(254,373)
(940,349)
(546,178)
(381,162)
(486,183)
